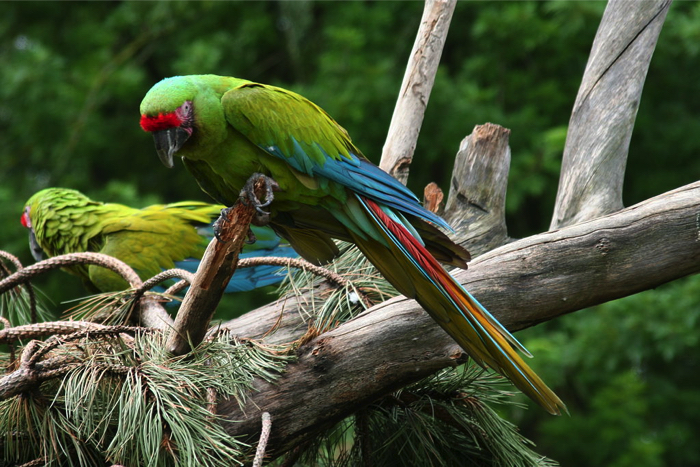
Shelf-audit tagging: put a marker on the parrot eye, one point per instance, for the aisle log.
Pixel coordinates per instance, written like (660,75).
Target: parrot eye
(186,114)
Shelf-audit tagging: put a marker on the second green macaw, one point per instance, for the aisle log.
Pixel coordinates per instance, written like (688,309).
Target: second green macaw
(150,240)
(227,129)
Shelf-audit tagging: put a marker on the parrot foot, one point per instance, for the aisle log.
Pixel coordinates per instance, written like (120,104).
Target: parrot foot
(251,237)
(248,193)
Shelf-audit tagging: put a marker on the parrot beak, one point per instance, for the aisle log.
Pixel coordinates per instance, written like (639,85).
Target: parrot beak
(36,250)
(168,142)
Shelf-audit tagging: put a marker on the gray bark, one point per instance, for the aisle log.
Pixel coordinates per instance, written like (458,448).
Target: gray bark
(595,155)
(476,206)
(415,88)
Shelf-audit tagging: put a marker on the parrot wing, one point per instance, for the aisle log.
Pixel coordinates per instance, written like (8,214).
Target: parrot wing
(290,127)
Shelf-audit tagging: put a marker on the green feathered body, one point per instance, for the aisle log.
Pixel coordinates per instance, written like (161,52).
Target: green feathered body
(227,129)
(149,240)
(245,127)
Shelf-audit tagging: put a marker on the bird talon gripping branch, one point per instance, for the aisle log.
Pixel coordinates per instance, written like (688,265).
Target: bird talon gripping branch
(218,224)
(248,193)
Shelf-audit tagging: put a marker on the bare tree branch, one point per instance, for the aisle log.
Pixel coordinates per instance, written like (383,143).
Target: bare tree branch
(602,120)
(415,89)
(213,274)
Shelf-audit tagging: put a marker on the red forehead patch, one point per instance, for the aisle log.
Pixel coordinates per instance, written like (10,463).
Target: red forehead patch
(25,220)
(160,122)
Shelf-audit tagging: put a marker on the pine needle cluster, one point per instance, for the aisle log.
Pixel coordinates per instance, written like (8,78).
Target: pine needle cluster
(125,400)
(444,420)
(328,307)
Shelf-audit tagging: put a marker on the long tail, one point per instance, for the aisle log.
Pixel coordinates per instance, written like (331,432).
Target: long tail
(410,267)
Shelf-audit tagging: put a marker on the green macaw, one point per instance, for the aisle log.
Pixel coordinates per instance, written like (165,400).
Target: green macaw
(228,129)
(150,240)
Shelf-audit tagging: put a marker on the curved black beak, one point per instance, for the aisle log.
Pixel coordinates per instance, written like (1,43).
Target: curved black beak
(168,142)
(36,250)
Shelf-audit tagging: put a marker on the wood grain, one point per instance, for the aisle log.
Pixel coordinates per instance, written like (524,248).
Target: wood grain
(601,124)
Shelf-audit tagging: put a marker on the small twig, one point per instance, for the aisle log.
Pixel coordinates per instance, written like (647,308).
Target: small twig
(186,276)
(11,258)
(264,436)
(212,400)
(23,275)
(299,263)
(33,331)
(35,463)
(55,341)
(30,289)
(6,325)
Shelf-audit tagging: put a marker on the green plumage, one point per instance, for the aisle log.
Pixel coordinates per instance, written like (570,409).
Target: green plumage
(149,240)
(227,129)
(281,134)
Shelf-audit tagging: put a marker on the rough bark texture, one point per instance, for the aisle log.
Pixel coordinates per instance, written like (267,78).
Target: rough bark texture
(602,120)
(415,89)
(476,206)
(213,275)
(521,283)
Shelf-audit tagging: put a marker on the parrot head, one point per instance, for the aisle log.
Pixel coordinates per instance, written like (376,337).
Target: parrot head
(26,221)
(167,111)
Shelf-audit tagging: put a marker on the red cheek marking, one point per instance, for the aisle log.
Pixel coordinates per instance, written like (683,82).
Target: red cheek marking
(25,220)
(160,122)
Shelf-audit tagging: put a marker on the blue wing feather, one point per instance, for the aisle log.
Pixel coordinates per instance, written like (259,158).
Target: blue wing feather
(362,177)
(245,279)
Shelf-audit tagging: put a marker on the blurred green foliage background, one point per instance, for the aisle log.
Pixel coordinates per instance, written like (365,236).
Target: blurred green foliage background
(73,75)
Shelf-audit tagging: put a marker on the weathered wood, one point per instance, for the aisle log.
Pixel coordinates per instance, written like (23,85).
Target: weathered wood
(415,88)
(476,205)
(523,283)
(602,120)
(213,274)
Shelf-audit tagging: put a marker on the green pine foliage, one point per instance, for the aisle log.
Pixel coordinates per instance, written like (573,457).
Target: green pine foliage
(444,420)
(329,307)
(127,401)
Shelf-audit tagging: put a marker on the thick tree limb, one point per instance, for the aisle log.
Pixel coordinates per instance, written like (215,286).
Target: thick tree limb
(523,283)
(595,155)
(415,88)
